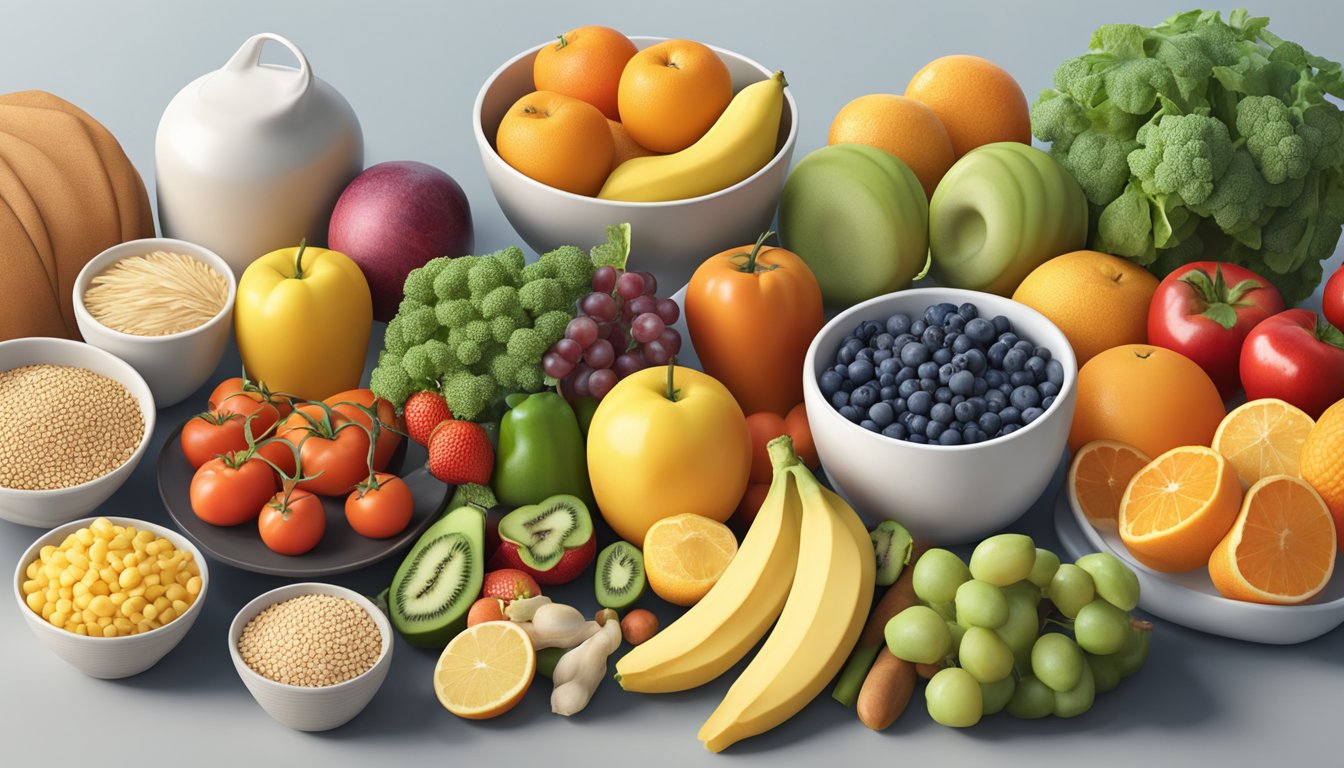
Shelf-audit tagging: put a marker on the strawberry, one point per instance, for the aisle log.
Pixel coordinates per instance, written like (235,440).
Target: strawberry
(460,452)
(423,412)
(571,563)
(485,609)
(509,584)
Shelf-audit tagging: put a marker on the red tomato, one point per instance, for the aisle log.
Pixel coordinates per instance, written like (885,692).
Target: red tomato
(236,395)
(1295,357)
(1205,309)
(281,454)
(292,526)
(333,450)
(210,434)
(351,404)
(380,512)
(1332,299)
(225,491)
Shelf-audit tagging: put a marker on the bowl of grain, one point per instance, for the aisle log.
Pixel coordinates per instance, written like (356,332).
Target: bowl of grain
(312,655)
(165,306)
(74,423)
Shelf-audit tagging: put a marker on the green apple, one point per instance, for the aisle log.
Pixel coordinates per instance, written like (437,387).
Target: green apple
(858,217)
(1001,211)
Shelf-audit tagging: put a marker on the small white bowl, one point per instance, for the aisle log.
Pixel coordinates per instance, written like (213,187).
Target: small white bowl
(174,365)
(312,709)
(110,657)
(669,239)
(943,494)
(47,508)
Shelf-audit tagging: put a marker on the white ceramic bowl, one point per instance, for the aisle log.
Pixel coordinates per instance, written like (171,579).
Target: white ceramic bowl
(44,509)
(110,657)
(943,494)
(312,709)
(175,365)
(669,239)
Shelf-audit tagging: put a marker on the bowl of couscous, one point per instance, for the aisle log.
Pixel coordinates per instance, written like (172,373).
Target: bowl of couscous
(111,595)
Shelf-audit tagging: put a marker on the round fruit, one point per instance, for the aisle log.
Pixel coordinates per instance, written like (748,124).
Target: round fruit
(976,100)
(557,140)
(485,609)
(1098,475)
(1177,509)
(672,92)
(585,63)
(1262,438)
(1281,549)
(485,670)
(904,127)
(1099,301)
(1321,465)
(685,555)
(626,147)
(1148,397)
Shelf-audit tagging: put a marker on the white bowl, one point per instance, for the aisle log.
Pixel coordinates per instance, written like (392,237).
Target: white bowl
(46,508)
(174,365)
(669,239)
(943,494)
(312,709)
(110,657)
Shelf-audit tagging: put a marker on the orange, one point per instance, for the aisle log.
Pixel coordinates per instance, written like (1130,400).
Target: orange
(1281,549)
(976,100)
(585,63)
(904,127)
(1099,301)
(626,147)
(485,670)
(1149,397)
(1098,476)
(1323,462)
(1263,437)
(1178,507)
(558,140)
(672,92)
(684,556)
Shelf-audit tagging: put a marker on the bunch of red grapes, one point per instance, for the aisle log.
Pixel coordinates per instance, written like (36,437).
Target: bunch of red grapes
(622,327)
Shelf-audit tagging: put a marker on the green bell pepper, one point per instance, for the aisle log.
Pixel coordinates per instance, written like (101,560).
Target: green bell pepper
(541,451)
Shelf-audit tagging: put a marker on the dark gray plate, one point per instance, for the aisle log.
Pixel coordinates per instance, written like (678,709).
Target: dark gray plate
(341,549)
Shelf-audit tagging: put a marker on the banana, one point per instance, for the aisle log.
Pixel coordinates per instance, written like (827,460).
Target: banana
(821,621)
(739,144)
(720,629)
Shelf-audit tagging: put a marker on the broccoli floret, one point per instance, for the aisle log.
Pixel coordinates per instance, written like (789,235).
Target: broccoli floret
(1279,152)
(505,367)
(419,285)
(501,328)
(1323,129)
(527,345)
(389,381)
(1183,155)
(543,295)
(1238,198)
(1099,162)
(440,356)
(477,331)
(536,270)
(530,378)
(1058,119)
(451,282)
(455,313)
(468,394)
(418,326)
(1125,227)
(501,302)
(551,325)
(393,340)
(418,365)
(571,266)
(513,261)
(487,274)
(468,351)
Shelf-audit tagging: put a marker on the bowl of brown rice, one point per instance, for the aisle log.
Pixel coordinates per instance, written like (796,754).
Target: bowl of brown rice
(75,421)
(165,306)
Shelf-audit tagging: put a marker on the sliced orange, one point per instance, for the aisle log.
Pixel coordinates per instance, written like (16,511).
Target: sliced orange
(1281,549)
(1262,438)
(684,556)
(1098,477)
(485,670)
(1178,507)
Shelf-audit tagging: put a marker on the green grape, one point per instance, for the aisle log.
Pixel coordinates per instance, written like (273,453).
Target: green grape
(1101,628)
(985,655)
(918,634)
(1105,672)
(1003,559)
(994,696)
(1077,699)
(1130,658)
(957,631)
(1071,589)
(1023,592)
(981,604)
(1043,570)
(947,610)
(953,698)
(1020,631)
(1031,699)
(1115,582)
(937,575)
(1057,661)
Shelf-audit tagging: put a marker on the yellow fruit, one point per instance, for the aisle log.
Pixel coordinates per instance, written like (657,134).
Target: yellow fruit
(1177,509)
(684,556)
(485,670)
(1098,476)
(1323,463)
(1281,549)
(1263,437)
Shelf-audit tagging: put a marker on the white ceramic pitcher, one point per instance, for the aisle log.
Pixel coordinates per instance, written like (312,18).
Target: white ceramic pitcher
(252,157)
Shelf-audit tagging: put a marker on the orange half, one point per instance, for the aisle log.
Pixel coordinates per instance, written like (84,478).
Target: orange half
(1281,549)
(1178,507)
(485,670)
(1262,438)
(1098,476)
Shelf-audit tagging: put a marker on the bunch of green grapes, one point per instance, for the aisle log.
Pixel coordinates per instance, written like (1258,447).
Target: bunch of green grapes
(1001,646)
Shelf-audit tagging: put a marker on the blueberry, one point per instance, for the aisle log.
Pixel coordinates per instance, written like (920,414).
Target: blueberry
(1036,367)
(961,344)
(1010,415)
(933,336)
(851,413)
(942,356)
(934,430)
(886,380)
(1002,325)
(830,382)
(976,362)
(898,324)
(995,378)
(1021,379)
(978,403)
(864,396)
(950,437)
(847,386)
(990,423)
(1047,389)
(902,340)
(882,414)
(881,355)
(981,387)
(928,370)
(845,356)
(942,395)
(954,323)
(1025,397)
(942,413)
(839,399)
(957,400)
(995,401)
(914,354)
(865,354)
(1054,372)
(1025,346)
(980,330)
(899,406)
(935,314)
(889,393)
(974,435)
(1047,401)
(1008,429)
(962,383)
(1042,353)
(1031,414)
(917,328)
(883,341)
(919,403)
(860,371)
(945,372)
(869,425)
(964,412)
(917,424)
(928,385)
(968,311)
(870,329)
(916,437)
(895,431)
(905,374)
(1013,360)
(1006,388)
(907,388)
(995,354)
(1008,338)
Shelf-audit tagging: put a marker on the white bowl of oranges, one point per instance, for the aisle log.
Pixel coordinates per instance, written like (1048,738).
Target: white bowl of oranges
(555,122)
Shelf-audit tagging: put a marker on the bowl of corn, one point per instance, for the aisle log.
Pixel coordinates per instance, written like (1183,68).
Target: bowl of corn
(111,595)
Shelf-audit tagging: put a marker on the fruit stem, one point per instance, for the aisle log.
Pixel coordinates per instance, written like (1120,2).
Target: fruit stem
(672,390)
(782,455)
(298,259)
(563,42)
(1143,625)
(1329,334)
(750,266)
(779,75)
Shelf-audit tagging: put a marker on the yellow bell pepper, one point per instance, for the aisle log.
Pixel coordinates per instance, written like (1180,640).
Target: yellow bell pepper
(303,320)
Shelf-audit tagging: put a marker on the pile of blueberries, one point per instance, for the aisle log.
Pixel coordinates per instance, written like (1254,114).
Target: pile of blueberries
(950,377)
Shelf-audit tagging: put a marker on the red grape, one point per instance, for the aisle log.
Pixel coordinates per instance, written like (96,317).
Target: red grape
(671,341)
(555,366)
(618,339)
(650,283)
(668,310)
(569,349)
(630,285)
(604,330)
(600,306)
(656,354)
(581,375)
(604,279)
(600,355)
(646,327)
(641,304)
(628,363)
(583,330)
(601,382)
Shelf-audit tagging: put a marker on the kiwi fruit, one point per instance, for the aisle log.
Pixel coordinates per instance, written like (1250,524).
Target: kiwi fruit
(620,581)
(892,545)
(544,531)
(439,580)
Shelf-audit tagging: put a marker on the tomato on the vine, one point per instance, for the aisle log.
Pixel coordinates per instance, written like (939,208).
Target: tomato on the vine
(1297,357)
(353,404)
(210,434)
(239,395)
(333,449)
(380,507)
(231,489)
(292,522)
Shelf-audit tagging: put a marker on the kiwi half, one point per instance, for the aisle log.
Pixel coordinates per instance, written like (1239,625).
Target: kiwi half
(544,531)
(439,579)
(892,545)
(620,581)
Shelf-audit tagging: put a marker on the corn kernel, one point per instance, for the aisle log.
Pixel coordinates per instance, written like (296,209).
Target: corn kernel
(166,547)
(124,624)
(137,591)
(98,551)
(90,576)
(154,591)
(175,592)
(131,606)
(80,629)
(80,588)
(100,587)
(58,560)
(104,621)
(150,579)
(180,607)
(88,617)
(48,609)
(63,605)
(45,553)
(167,615)
(33,568)
(150,612)
(30,586)
(119,543)
(145,626)
(137,618)
(108,575)
(109,630)
(35,601)
(131,560)
(103,606)
(53,594)
(117,598)
(41,579)
(194,586)
(82,601)
(129,578)
(67,593)
(102,527)
(58,618)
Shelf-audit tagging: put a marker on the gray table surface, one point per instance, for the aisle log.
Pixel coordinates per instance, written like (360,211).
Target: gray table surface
(412,72)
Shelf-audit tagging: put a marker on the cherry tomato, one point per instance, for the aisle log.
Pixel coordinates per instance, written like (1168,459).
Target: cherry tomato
(231,489)
(380,512)
(234,396)
(333,450)
(281,454)
(292,526)
(1297,357)
(351,404)
(210,434)
(1332,298)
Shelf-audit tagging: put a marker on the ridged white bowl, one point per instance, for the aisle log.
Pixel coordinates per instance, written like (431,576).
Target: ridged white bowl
(312,709)
(110,657)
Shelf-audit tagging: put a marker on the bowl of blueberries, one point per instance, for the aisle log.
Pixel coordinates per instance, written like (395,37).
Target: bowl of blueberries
(945,409)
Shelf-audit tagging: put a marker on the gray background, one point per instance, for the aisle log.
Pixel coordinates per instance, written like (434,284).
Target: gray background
(411,72)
